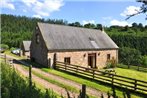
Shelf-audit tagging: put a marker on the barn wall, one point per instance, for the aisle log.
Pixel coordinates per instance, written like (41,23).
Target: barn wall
(27,54)
(38,51)
(81,57)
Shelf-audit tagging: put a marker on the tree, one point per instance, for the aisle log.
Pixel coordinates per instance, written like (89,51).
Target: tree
(134,25)
(76,24)
(99,26)
(144,61)
(143,9)
(89,25)
(130,56)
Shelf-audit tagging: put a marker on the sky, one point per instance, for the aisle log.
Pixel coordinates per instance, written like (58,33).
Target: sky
(105,12)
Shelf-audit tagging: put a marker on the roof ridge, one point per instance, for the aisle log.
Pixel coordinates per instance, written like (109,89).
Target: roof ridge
(68,26)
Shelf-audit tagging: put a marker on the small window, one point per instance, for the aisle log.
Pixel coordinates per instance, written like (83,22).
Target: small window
(37,38)
(108,56)
(67,60)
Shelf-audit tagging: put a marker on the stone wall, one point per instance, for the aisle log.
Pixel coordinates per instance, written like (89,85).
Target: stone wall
(38,51)
(81,57)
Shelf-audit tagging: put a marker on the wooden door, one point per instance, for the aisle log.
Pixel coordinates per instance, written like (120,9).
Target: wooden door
(92,60)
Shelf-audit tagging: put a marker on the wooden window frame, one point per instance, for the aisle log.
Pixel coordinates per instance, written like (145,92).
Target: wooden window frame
(108,56)
(67,60)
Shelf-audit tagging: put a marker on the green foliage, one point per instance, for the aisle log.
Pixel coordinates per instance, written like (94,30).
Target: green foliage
(4,46)
(144,60)
(130,56)
(15,29)
(13,86)
(111,63)
(12,48)
(132,41)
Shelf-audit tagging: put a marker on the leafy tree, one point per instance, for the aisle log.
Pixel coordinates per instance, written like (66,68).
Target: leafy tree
(144,61)
(99,26)
(134,25)
(130,56)
(76,24)
(89,25)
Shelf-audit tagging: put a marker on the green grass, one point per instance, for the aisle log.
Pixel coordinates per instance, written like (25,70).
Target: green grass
(70,88)
(8,52)
(131,74)
(141,68)
(84,81)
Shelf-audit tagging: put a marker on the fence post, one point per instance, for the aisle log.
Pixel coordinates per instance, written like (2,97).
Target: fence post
(93,73)
(83,91)
(30,76)
(54,61)
(135,85)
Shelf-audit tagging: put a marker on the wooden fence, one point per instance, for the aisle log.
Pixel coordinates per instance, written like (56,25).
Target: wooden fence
(109,78)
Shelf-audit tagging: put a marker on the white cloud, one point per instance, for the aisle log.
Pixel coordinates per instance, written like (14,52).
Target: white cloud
(37,16)
(44,8)
(130,10)
(7,4)
(119,23)
(88,21)
(29,2)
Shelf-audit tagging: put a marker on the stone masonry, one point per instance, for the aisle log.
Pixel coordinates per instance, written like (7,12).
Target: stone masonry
(81,57)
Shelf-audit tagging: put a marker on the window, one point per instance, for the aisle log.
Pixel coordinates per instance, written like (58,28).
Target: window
(67,60)
(37,38)
(108,56)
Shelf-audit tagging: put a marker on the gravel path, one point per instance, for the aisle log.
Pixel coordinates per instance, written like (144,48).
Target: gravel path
(44,83)
(57,89)
(89,91)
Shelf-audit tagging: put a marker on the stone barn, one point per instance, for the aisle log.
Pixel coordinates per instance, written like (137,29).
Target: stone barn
(25,48)
(72,45)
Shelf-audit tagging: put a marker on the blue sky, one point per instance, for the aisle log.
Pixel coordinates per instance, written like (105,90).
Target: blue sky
(106,12)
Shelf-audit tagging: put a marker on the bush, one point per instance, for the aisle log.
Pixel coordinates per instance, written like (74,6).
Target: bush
(130,56)
(144,61)
(4,46)
(111,63)
(14,86)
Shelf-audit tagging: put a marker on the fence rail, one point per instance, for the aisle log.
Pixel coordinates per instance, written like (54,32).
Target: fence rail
(113,79)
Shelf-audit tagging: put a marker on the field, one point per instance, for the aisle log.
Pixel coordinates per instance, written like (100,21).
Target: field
(132,73)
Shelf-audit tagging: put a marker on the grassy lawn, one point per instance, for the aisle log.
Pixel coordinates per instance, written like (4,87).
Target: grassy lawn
(141,68)
(132,73)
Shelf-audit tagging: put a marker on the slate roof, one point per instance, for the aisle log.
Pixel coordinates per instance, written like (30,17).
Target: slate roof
(59,37)
(26,45)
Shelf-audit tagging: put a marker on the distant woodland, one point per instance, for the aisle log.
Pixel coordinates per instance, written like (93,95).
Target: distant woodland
(132,41)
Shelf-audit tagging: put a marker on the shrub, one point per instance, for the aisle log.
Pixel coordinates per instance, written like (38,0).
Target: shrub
(4,46)
(14,86)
